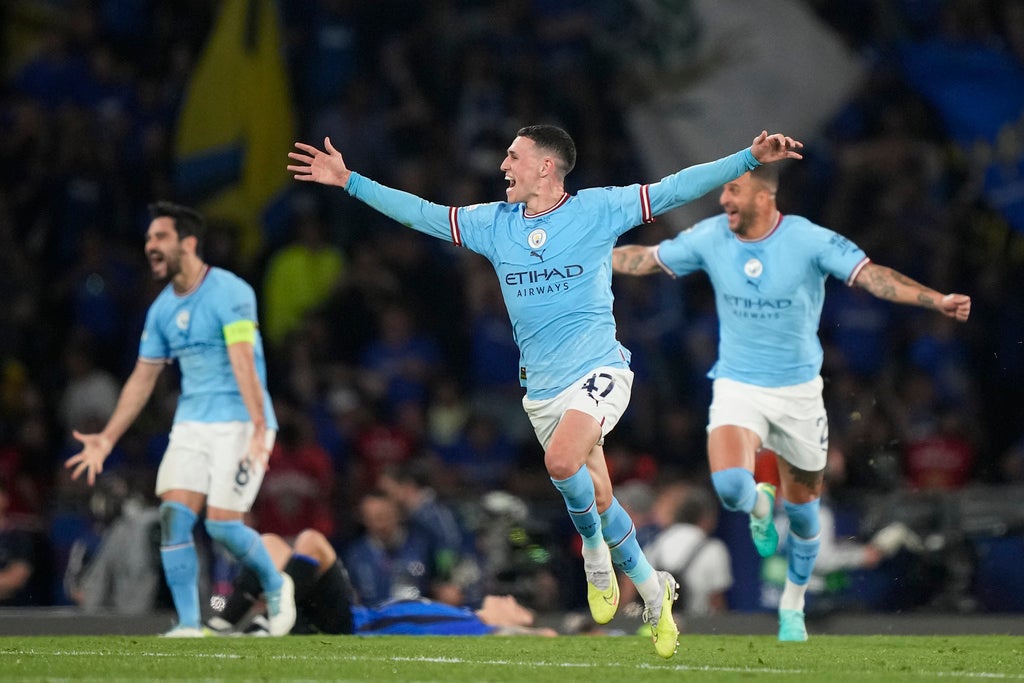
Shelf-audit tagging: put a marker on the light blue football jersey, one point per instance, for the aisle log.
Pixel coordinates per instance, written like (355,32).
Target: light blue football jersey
(190,330)
(768,292)
(555,267)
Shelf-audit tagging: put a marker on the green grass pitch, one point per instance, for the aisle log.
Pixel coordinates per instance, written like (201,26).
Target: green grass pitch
(587,659)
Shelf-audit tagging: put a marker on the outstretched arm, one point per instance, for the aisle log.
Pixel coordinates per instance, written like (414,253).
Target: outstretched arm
(635,259)
(696,181)
(326,167)
(888,284)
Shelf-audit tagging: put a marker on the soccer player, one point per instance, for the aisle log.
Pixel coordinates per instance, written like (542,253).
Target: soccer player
(224,425)
(552,254)
(327,604)
(768,271)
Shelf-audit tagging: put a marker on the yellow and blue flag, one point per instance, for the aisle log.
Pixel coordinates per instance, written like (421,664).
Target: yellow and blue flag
(237,122)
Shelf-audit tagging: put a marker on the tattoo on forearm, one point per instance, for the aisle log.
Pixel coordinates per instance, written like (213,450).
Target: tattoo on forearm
(879,283)
(884,282)
(630,261)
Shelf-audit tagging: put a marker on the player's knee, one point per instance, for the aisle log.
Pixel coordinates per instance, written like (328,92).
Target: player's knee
(176,522)
(735,488)
(804,520)
(312,543)
(560,464)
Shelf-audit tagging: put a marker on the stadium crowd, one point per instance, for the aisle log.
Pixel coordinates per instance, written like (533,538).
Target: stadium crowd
(386,347)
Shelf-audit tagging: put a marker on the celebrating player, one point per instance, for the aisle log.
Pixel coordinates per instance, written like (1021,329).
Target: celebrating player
(224,425)
(552,253)
(768,272)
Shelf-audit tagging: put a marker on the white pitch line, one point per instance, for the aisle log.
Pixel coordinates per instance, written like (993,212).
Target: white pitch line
(537,664)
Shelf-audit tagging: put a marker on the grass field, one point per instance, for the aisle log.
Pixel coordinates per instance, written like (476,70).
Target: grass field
(588,659)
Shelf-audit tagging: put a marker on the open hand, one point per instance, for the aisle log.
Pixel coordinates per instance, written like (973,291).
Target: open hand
(90,459)
(775,147)
(325,166)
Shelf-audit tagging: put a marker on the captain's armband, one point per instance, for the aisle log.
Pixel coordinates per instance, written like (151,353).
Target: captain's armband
(240,331)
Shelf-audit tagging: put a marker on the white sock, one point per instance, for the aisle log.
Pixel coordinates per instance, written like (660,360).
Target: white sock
(650,590)
(793,596)
(762,506)
(596,563)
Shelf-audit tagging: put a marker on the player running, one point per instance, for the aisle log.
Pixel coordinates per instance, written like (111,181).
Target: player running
(768,272)
(551,252)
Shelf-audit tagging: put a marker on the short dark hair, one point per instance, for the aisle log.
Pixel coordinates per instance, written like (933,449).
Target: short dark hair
(767,175)
(187,221)
(553,139)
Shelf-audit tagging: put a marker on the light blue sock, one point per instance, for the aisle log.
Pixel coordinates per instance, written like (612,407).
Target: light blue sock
(247,547)
(802,553)
(180,561)
(804,518)
(804,540)
(620,534)
(736,489)
(578,492)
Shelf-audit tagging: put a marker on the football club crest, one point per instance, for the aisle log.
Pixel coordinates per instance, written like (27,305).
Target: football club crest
(537,238)
(753,268)
(182,320)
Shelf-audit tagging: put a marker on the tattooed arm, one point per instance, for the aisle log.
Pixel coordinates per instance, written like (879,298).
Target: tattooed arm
(635,260)
(888,284)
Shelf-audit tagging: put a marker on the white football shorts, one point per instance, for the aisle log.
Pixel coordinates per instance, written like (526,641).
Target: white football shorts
(602,394)
(790,420)
(210,458)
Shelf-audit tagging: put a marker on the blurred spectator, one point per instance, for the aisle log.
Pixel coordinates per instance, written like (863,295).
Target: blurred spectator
(297,488)
(626,463)
(122,574)
(300,275)
(942,459)
(400,362)
(653,511)
(451,571)
(378,443)
(386,561)
(482,458)
(679,431)
(700,562)
(447,412)
(90,393)
(854,326)
(493,358)
(939,350)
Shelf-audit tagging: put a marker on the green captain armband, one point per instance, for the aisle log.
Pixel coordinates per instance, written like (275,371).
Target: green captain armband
(240,331)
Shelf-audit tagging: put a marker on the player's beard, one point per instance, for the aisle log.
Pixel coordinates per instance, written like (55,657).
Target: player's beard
(746,218)
(167,266)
